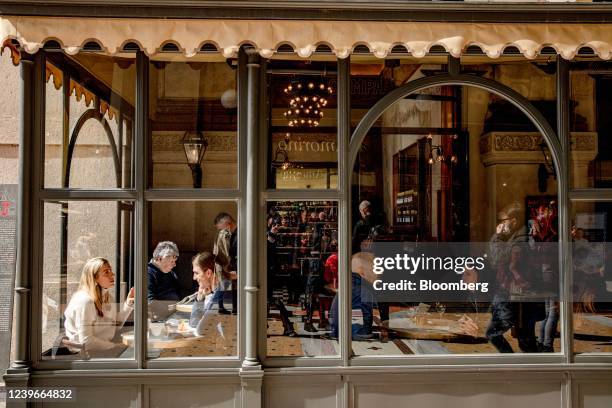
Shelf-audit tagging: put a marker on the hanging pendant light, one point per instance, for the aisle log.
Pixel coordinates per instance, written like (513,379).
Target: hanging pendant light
(307,102)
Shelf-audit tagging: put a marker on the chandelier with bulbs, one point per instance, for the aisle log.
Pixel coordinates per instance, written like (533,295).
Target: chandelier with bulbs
(307,99)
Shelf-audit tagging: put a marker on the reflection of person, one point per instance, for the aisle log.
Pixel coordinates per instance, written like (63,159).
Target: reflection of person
(329,289)
(588,265)
(226,251)
(330,274)
(162,283)
(91,318)
(81,251)
(273,260)
(204,274)
(510,258)
(362,298)
(543,231)
(362,228)
(370,225)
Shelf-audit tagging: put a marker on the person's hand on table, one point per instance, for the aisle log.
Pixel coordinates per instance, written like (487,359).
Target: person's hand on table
(468,326)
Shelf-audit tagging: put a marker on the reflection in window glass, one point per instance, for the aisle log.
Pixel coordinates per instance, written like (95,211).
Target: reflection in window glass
(87,275)
(302,278)
(373,78)
(592,287)
(450,181)
(192,279)
(532,78)
(303,148)
(194,116)
(92,147)
(591,163)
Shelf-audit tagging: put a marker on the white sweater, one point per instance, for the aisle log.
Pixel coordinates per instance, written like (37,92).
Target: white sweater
(83,325)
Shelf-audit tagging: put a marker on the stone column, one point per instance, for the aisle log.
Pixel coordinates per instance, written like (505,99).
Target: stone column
(32,123)
(251,373)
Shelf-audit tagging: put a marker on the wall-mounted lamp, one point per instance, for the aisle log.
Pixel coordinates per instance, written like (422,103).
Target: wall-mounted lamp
(545,169)
(436,152)
(281,156)
(195,145)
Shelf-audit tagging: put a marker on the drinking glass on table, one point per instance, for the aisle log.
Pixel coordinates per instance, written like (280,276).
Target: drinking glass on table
(441,308)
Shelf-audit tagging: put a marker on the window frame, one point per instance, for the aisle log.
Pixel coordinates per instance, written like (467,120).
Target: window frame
(348,142)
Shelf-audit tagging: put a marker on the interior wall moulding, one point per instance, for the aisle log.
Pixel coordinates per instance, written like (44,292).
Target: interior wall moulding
(524,147)
(189,35)
(217,141)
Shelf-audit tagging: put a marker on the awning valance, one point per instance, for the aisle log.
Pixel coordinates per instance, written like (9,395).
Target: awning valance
(304,36)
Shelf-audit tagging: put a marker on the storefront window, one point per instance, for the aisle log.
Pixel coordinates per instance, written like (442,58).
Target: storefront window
(591,166)
(592,283)
(88,296)
(193,121)
(302,278)
(455,234)
(532,78)
(303,140)
(89,116)
(372,78)
(192,279)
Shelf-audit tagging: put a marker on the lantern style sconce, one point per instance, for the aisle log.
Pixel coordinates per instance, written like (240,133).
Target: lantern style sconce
(195,145)
(436,153)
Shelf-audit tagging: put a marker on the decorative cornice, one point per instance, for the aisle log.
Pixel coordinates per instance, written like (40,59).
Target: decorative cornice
(217,141)
(510,142)
(524,147)
(584,141)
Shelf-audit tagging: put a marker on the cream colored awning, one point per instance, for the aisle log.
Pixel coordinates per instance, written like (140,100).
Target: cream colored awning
(304,36)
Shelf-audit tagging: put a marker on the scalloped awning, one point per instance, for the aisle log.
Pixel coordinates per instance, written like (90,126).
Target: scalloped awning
(304,36)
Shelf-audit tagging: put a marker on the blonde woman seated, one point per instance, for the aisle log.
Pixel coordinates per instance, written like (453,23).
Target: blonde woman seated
(91,318)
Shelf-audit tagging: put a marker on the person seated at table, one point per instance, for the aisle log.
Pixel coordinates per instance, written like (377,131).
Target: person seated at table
(204,274)
(91,319)
(361,297)
(329,289)
(162,281)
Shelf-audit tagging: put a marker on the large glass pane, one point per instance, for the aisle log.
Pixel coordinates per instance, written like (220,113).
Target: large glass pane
(303,147)
(592,287)
(590,124)
(302,278)
(88,130)
(454,242)
(532,78)
(87,299)
(192,279)
(372,78)
(193,117)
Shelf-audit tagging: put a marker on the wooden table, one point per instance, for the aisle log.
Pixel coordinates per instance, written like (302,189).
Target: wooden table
(188,344)
(425,327)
